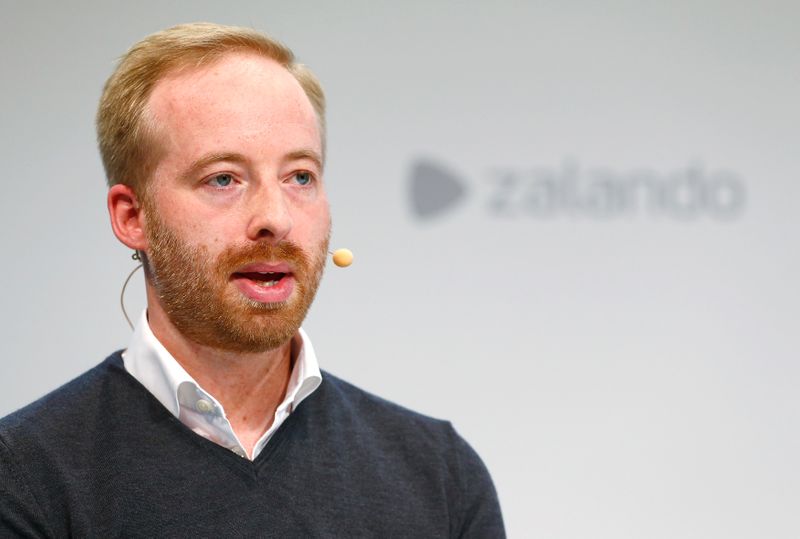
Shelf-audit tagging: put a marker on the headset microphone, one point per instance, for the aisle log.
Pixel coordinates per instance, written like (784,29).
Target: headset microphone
(342,257)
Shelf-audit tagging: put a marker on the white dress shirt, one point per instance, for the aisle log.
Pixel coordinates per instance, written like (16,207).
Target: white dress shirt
(148,361)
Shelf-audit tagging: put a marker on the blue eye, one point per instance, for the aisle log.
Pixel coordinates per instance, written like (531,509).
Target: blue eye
(221,180)
(302,178)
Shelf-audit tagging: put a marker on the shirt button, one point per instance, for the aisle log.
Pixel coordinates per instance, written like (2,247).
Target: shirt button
(203,406)
(239,451)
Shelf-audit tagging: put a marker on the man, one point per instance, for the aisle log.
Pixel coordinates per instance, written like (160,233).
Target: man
(216,420)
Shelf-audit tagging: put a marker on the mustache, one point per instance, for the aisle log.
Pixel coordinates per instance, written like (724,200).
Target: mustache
(235,257)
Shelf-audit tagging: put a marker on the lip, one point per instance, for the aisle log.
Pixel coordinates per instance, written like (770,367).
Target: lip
(265,267)
(278,293)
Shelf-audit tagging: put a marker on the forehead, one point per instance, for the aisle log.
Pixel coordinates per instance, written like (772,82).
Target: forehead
(241,97)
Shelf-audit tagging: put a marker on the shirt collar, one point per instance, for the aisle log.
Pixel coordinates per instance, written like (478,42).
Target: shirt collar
(153,366)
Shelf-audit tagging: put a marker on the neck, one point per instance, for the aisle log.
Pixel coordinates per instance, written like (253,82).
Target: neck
(250,386)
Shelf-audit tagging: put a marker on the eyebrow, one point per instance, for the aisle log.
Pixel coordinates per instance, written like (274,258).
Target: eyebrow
(209,159)
(305,153)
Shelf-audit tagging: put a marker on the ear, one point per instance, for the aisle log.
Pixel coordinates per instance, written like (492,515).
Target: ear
(127,218)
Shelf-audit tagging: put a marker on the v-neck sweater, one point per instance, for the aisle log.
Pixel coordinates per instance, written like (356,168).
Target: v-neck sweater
(101,457)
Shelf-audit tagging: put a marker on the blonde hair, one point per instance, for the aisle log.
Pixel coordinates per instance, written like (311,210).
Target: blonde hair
(125,133)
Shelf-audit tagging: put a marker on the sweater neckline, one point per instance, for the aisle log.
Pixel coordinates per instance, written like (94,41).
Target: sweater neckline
(267,460)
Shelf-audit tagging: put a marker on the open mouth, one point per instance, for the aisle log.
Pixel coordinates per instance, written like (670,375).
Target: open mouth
(265,279)
(265,282)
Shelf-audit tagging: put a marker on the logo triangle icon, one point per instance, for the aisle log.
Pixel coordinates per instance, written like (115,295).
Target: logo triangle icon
(434,189)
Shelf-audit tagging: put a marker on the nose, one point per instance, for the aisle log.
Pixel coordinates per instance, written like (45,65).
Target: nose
(269,213)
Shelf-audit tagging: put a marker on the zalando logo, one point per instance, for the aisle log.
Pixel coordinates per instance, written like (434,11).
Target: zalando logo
(686,193)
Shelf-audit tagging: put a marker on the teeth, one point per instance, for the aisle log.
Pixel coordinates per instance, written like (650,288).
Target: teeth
(266,284)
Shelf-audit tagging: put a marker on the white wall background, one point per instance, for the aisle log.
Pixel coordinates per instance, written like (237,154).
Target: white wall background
(623,376)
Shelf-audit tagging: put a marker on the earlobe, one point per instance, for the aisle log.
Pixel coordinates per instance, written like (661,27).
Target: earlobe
(127,219)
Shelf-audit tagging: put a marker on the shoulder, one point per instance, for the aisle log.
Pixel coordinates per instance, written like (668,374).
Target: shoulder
(376,422)
(69,408)
(44,446)
(353,404)
(414,449)
(367,402)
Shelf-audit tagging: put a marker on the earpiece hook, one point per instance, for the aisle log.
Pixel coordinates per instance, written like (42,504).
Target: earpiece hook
(138,258)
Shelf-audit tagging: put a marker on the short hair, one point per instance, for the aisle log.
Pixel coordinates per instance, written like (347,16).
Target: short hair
(125,133)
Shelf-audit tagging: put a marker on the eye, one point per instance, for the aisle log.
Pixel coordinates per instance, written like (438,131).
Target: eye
(302,177)
(220,180)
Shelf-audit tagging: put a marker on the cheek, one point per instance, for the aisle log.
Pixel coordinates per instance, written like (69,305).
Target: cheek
(204,235)
(201,224)
(318,223)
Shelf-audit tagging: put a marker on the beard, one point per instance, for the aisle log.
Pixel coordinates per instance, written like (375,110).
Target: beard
(197,294)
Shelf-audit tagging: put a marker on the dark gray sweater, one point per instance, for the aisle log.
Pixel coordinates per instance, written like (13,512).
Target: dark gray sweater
(101,457)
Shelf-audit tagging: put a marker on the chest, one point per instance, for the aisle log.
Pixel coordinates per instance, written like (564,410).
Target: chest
(206,491)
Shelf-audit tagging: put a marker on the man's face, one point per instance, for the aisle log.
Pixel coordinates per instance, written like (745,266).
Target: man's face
(236,215)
